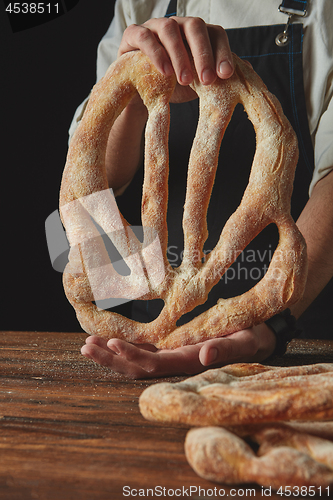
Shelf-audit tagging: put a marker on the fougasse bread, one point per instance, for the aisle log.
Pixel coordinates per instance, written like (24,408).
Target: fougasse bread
(85,198)
(272,455)
(243,394)
(254,424)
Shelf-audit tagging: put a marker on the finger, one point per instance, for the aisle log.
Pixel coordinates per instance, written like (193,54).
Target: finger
(210,48)
(146,347)
(196,34)
(98,354)
(237,347)
(138,361)
(222,52)
(184,360)
(98,341)
(107,358)
(145,359)
(142,38)
(94,339)
(168,31)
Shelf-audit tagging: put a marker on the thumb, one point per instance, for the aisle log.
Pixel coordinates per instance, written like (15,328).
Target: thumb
(236,347)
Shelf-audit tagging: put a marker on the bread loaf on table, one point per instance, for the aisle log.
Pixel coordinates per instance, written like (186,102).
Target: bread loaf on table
(286,457)
(253,423)
(243,394)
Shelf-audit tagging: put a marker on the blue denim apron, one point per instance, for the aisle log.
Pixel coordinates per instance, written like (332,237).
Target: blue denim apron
(280,67)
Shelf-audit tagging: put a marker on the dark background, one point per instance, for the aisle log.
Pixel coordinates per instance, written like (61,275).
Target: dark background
(46,72)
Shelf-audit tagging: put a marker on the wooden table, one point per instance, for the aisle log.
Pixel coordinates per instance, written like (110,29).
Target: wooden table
(71,429)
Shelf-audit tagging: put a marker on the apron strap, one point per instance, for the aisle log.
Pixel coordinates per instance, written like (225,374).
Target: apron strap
(291,8)
(296,7)
(172,9)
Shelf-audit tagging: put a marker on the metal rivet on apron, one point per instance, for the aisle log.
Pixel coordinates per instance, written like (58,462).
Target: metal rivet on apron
(282,39)
(287,7)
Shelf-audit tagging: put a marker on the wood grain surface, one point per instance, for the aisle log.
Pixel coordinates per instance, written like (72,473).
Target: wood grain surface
(70,429)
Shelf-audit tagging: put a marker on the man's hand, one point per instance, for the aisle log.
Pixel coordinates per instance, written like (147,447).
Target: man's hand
(166,42)
(145,361)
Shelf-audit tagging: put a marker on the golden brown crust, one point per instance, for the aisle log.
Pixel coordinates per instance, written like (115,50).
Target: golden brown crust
(243,394)
(266,200)
(285,456)
(253,423)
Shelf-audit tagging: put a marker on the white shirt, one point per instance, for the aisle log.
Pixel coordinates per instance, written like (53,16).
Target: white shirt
(317,52)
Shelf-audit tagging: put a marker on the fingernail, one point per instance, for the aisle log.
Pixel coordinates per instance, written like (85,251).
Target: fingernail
(207,76)
(113,348)
(226,68)
(186,76)
(212,355)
